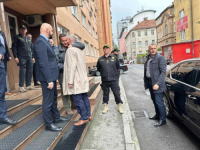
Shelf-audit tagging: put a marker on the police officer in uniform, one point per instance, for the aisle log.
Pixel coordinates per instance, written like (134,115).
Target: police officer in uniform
(23,54)
(108,66)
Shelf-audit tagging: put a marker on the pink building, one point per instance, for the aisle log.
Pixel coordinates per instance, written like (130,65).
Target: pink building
(123,43)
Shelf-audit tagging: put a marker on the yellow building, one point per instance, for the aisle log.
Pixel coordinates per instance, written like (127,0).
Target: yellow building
(189,8)
(90,20)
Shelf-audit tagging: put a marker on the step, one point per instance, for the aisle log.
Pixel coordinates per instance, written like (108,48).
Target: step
(95,93)
(24,134)
(20,104)
(91,82)
(22,116)
(71,138)
(50,139)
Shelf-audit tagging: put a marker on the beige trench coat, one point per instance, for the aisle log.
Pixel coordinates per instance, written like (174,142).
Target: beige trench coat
(75,72)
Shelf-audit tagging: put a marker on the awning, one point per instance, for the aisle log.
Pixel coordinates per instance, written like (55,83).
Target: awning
(30,7)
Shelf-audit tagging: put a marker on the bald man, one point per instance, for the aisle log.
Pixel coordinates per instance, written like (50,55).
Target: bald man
(47,73)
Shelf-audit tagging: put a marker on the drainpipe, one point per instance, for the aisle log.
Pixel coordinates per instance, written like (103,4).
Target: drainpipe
(192,31)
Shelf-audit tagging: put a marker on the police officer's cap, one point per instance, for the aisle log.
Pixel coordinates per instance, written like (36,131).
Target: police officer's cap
(115,50)
(106,45)
(23,27)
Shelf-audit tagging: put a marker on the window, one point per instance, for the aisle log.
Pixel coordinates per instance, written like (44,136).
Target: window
(86,49)
(134,45)
(182,35)
(87,4)
(139,33)
(134,54)
(139,43)
(12,28)
(166,29)
(79,39)
(181,14)
(140,52)
(153,41)
(159,21)
(98,53)
(166,42)
(185,72)
(146,43)
(174,27)
(62,30)
(145,33)
(95,52)
(90,29)
(92,54)
(94,18)
(83,20)
(74,11)
(96,35)
(133,34)
(152,32)
(93,33)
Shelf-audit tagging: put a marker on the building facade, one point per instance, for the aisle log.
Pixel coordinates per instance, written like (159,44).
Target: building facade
(139,17)
(120,25)
(188,34)
(166,27)
(89,20)
(139,38)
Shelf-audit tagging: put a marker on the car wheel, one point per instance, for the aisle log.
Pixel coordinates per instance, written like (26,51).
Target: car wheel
(169,113)
(121,71)
(98,73)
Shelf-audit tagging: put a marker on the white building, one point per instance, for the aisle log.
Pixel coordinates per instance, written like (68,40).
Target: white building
(139,38)
(139,17)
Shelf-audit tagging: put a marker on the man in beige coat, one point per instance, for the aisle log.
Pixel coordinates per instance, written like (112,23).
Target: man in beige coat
(75,80)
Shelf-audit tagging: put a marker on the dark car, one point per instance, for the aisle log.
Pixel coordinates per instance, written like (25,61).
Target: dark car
(182,98)
(94,72)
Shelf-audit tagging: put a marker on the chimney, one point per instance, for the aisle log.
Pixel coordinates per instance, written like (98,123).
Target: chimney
(146,18)
(138,22)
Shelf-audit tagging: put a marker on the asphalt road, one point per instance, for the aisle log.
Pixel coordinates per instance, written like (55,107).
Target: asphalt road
(173,136)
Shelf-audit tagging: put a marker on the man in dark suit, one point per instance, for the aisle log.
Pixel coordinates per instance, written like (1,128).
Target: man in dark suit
(47,73)
(154,80)
(4,57)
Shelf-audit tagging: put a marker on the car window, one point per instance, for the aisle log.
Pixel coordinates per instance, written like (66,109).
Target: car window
(173,72)
(187,72)
(197,81)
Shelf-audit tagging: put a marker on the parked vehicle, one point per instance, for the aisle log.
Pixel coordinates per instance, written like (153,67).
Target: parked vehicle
(131,62)
(94,72)
(182,98)
(121,61)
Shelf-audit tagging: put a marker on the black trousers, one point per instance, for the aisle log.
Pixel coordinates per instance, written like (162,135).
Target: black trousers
(49,104)
(34,74)
(26,71)
(114,85)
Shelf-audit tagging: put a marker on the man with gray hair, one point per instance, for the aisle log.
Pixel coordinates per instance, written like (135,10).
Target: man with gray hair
(75,81)
(154,80)
(60,56)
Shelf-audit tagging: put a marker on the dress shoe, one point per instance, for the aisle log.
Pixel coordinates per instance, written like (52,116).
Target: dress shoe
(154,117)
(37,84)
(61,119)
(161,123)
(10,94)
(54,128)
(90,118)
(81,122)
(70,113)
(8,121)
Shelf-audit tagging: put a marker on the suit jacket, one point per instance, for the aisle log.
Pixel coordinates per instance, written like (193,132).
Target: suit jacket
(157,72)
(45,61)
(6,55)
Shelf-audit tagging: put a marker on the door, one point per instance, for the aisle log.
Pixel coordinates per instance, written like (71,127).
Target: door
(193,98)
(178,89)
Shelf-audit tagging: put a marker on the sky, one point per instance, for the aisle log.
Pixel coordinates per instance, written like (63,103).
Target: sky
(122,8)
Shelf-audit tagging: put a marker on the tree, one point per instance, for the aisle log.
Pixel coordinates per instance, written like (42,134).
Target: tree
(116,47)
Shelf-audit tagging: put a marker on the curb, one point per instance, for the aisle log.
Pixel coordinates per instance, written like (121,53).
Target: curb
(131,140)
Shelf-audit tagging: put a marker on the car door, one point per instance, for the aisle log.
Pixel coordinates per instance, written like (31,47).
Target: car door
(178,88)
(193,98)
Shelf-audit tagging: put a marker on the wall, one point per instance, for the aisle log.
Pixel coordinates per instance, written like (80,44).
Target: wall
(68,21)
(166,20)
(180,5)
(196,18)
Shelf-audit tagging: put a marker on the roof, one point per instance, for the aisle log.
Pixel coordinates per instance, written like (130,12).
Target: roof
(142,12)
(144,25)
(170,6)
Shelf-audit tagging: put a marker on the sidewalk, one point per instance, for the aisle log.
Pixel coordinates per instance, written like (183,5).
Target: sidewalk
(111,131)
